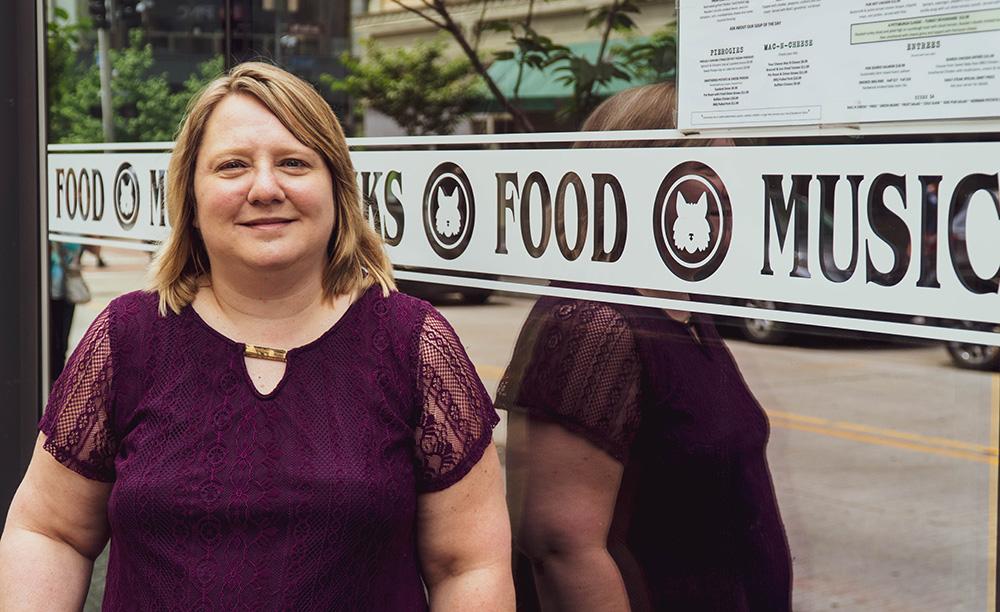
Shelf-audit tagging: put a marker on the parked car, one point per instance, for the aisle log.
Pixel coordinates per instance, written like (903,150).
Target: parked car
(435,292)
(762,331)
(975,356)
(767,331)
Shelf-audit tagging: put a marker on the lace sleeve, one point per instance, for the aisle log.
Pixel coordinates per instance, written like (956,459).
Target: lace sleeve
(580,369)
(77,418)
(457,417)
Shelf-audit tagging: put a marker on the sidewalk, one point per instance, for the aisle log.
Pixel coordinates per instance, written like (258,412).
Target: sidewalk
(124,271)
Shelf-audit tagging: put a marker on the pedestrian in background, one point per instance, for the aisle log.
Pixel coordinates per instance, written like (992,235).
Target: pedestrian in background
(66,289)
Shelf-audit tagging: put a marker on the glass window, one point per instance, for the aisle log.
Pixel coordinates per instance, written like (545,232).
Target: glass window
(755,367)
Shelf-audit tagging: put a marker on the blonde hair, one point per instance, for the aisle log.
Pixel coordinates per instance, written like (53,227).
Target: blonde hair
(356,255)
(649,107)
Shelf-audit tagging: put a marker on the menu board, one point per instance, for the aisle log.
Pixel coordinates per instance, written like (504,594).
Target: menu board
(753,63)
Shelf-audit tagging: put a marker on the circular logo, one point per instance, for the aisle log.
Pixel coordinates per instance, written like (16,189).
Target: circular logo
(692,221)
(126,196)
(449,210)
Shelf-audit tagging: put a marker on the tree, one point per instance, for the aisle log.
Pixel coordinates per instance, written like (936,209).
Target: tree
(418,88)
(634,60)
(653,60)
(63,70)
(585,76)
(145,107)
(437,13)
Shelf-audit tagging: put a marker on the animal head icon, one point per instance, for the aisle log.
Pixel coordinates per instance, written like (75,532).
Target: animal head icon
(127,198)
(692,231)
(448,219)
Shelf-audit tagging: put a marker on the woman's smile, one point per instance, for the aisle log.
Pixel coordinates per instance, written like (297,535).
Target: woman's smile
(268,223)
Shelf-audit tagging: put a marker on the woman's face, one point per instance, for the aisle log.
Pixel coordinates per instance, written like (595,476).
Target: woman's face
(264,200)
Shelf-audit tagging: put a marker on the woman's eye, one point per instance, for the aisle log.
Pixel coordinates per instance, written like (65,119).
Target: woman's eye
(294,163)
(230,165)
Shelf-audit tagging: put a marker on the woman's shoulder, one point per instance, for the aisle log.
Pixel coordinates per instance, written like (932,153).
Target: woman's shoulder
(408,317)
(136,304)
(135,314)
(403,307)
(580,314)
(139,298)
(398,297)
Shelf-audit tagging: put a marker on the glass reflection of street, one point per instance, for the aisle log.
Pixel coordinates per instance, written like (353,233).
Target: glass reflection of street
(881,455)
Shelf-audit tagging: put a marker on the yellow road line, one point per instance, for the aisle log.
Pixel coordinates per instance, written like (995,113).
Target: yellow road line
(488,371)
(777,414)
(869,433)
(934,450)
(978,448)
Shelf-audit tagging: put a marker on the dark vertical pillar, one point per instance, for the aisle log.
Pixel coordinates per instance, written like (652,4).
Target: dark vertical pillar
(20,245)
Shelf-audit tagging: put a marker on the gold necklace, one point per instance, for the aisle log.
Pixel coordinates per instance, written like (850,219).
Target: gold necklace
(265,352)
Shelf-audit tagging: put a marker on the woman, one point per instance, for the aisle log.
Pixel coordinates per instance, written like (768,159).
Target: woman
(636,468)
(271,426)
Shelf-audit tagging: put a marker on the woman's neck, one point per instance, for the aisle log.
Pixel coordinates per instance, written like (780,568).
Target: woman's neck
(269,311)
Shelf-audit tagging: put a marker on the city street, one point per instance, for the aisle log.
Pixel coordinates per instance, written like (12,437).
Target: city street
(883,455)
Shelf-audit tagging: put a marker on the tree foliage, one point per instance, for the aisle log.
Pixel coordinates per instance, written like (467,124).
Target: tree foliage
(62,68)
(634,59)
(652,60)
(437,13)
(144,106)
(420,89)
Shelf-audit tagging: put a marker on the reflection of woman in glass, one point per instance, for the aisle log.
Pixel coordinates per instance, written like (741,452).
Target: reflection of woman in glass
(637,475)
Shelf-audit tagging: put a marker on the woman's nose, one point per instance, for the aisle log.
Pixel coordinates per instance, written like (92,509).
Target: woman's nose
(266,188)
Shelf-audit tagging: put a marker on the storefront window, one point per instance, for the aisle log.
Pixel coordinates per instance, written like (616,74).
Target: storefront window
(833,444)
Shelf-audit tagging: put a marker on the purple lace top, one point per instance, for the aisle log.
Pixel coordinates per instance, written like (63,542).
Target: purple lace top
(301,499)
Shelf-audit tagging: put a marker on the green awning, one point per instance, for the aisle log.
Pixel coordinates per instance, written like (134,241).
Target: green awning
(541,90)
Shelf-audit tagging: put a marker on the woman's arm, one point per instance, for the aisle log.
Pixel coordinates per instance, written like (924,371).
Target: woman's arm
(463,540)
(56,526)
(565,489)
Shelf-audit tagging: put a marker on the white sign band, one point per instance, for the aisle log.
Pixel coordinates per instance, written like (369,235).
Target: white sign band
(900,230)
